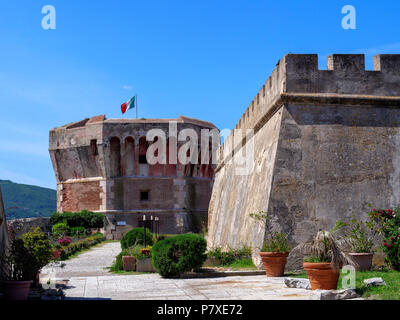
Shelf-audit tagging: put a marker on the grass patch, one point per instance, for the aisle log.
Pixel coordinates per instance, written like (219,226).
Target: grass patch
(389,292)
(244,263)
(238,264)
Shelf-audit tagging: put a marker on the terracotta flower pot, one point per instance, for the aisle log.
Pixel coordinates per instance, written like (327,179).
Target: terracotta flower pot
(321,275)
(274,263)
(129,263)
(16,290)
(363,260)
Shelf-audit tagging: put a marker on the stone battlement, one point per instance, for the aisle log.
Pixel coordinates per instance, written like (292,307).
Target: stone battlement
(297,78)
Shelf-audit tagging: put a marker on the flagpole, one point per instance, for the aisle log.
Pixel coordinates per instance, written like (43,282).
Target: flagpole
(136,107)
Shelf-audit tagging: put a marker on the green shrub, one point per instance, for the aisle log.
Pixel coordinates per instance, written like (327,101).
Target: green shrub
(229,256)
(39,246)
(135,237)
(26,256)
(18,264)
(76,231)
(179,254)
(84,218)
(60,229)
(386,222)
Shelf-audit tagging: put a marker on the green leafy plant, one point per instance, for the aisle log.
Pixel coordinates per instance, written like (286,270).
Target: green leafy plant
(74,231)
(176,255)
(60,229)
(86,219)
(27,256)
(273,241)
(229,256)
(360,240)
(136,237)
(276,242)
(39,246)
(386,222)
(19,264)
(327,246)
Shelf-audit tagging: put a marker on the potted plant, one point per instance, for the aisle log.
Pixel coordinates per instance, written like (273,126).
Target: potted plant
(17,271)
(360,245)
(325,257)
(275,249)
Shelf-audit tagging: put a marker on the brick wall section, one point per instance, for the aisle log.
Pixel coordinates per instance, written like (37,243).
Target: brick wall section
(81,196)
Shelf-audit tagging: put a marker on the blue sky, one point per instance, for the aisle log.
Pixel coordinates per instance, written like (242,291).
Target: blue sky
(203,59)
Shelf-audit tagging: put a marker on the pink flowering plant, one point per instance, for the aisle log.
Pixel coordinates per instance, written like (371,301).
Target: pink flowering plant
(387,223)
(64,241)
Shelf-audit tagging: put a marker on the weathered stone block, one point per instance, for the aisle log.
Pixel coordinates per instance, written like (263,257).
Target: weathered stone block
(298,283)
(333,294)
(374,282)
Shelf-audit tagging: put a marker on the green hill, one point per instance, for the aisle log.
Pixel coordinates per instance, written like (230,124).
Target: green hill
(26,201)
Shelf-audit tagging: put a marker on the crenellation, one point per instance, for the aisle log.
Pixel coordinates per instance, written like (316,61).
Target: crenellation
(348,63)
(387,63)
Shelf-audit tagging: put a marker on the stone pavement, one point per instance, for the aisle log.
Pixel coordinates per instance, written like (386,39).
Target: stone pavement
(88,279)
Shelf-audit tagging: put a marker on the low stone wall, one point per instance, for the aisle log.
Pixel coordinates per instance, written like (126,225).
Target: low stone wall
(18,227)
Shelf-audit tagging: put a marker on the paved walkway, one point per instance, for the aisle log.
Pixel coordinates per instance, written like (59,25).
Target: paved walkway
(88,279)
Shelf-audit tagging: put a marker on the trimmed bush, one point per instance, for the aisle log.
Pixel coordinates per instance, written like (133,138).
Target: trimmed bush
(176,255)
(84,218)
(135,236)
(60,229)
(76,230)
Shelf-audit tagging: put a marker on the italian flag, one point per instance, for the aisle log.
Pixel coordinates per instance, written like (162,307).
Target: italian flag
(128,105)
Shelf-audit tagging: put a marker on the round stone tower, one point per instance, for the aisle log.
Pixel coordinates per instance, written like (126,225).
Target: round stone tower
(103,165)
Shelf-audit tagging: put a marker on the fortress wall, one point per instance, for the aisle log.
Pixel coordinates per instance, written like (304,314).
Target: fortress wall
(336,149)
(331,163)
(77,196)
(235,196)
